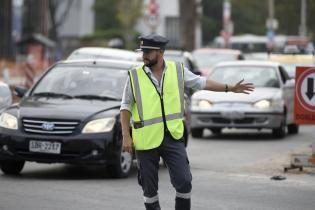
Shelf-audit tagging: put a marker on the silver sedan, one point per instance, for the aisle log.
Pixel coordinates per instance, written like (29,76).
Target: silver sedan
(269,106)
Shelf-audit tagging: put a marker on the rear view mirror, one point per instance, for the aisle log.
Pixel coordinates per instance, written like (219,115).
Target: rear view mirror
(290,83)
(197,72)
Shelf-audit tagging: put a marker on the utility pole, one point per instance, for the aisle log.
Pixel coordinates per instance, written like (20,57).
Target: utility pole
(271,25)
(227,30)
(303,27)
(198,36)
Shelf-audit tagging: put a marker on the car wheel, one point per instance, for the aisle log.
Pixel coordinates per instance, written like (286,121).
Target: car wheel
(11,167)
(216,131)
(121,166)
(279,132)
(293,129)
(196,132)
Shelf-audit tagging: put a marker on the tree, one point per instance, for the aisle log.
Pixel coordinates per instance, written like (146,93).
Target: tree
(54,6)
(250,17)
(129,20)
(105,14)
(5,35)
(211,20)
(188,13)
(117,18)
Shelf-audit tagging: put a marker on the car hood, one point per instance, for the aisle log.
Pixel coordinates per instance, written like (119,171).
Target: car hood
(63,108)
(258,94)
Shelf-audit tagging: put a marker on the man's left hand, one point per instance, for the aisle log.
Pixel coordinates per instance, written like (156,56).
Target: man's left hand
(241,87)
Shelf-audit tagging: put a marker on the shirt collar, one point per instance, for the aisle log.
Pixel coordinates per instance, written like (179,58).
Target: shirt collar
(148,70)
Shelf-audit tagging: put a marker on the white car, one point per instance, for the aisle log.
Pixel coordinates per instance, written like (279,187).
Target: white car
(104,53)
(269,106)
(5,96)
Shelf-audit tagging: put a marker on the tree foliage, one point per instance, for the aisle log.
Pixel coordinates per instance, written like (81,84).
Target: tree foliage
(188,20)
(117,18)
(249,16)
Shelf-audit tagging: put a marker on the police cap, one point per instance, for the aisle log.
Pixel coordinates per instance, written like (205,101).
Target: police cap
(152,42)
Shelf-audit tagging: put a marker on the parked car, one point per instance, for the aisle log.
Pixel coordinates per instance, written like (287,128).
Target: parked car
(206,58)
(104,53)
(184,57)
(71,115)
(5,96)
(269,106)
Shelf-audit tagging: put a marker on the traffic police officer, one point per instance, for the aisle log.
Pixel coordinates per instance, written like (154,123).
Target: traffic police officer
(154,98)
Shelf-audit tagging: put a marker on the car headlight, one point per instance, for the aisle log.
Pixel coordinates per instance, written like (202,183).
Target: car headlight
(99,125)
(8,121)
(204,104)
(262,104)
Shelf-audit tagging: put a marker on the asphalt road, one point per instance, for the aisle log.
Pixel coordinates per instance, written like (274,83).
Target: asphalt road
(231,171)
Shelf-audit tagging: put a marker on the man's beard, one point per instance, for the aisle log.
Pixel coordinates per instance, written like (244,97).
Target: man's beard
(151,63)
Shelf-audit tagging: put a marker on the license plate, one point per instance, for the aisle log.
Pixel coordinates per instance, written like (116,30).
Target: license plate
(45,147)
(232,115)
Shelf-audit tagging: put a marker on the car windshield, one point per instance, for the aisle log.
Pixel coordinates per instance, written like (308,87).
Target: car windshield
(259,76)
(207,60)
(87,82)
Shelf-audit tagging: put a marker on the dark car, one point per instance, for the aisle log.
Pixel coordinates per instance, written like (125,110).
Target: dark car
(184,57)
(71,115)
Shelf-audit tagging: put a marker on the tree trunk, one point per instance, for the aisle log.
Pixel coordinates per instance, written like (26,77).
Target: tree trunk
(188,16)
(6,45)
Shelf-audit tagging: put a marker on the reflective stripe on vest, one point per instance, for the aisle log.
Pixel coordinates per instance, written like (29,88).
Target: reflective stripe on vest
(148,130)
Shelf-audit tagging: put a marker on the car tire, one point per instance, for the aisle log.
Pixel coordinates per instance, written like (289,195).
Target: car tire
(216,131)
(196,132)
(293,129)
(11,167)
(121,165)
(280,131)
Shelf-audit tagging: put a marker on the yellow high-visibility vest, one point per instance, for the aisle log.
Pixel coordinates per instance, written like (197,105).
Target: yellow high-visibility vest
(153,112)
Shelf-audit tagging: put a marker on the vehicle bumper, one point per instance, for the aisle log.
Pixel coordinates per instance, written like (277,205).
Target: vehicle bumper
(76,149)
(248,120)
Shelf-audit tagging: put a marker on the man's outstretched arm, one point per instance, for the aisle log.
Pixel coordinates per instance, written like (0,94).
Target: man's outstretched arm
(239,87)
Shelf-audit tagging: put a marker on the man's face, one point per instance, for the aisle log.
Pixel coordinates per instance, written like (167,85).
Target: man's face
(150,57)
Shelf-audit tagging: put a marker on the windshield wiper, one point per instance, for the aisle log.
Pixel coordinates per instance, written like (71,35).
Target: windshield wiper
(52,94)
(97,97)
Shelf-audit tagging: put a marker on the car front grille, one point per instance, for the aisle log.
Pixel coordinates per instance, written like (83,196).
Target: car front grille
(233,121)
(49,126)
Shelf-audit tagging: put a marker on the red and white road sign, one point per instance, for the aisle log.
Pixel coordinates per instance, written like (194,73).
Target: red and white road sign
(304,106)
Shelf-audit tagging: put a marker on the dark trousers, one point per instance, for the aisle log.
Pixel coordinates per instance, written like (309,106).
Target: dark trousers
(174,154)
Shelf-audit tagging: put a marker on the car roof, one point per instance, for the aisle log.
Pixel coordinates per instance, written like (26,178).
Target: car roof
(217,50)
(247,63)
(103,51)
(122,64)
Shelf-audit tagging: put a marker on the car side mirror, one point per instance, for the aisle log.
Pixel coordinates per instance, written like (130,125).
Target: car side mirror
(197,72)
(290,83)
(20,91)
